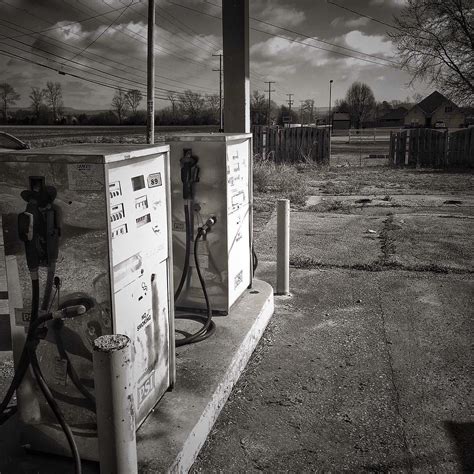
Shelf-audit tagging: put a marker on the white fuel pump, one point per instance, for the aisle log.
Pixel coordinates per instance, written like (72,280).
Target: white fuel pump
(211,178)
(87,233)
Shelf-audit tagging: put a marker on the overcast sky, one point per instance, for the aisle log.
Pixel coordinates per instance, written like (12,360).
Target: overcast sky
(185,43)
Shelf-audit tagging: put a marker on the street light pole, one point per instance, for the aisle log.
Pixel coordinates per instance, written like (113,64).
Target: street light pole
(329,114)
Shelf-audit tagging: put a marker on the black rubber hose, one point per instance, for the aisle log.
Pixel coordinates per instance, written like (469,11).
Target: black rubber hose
(56,410)
(187,254)
(56,325)
(22,367)
(209,326)
(48,288)
(255,260)
(35,295)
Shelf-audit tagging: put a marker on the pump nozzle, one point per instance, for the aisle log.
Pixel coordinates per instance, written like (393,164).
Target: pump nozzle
(207,225)
(189,173)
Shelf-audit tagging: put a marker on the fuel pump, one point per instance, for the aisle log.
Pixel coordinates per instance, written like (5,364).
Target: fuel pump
(89,254)
(211,184)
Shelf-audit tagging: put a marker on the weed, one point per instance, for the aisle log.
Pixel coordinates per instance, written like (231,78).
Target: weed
(283,180)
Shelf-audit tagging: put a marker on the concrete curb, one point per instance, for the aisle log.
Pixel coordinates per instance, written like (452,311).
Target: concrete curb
(172,436)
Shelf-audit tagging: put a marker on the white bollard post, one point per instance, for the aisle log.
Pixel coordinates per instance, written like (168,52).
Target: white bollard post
(114,392)
(283,247)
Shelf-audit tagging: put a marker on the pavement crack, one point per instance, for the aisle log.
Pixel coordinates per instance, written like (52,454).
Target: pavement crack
(309,263)
(387,344)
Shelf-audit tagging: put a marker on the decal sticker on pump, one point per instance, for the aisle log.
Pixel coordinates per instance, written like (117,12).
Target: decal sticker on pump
(22,317)
(179,226)
(146,388)
(239,278)
(85,177)
(154,180)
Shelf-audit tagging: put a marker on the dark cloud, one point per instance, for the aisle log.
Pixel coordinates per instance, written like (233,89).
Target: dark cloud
(185,43)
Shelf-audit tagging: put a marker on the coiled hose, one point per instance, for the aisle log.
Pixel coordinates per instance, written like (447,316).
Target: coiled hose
(209,326)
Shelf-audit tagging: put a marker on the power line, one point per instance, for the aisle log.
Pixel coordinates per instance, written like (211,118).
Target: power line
(62,26)
(21,58)
(103,32)
(312,38)
(62,43)
(86,66)
(143,40)
(298,41)
(362,14)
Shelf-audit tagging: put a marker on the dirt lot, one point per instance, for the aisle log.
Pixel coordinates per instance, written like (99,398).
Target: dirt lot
(366,367)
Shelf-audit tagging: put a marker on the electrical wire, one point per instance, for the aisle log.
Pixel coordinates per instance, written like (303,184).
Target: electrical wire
(107,85)
(102,33)
(293,40)
(362,14)
(102,58)
(62,26)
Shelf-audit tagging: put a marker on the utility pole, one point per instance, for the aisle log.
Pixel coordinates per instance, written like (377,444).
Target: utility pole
(290,103)
(270,90)
(221,116)
(301,111)
(150,98)
(329,113)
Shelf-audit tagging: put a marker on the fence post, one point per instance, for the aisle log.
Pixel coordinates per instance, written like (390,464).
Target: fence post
(283,247)
(114,390)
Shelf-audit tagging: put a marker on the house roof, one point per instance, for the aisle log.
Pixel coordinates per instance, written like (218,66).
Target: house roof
(340,116)
(395,114)
(432,102)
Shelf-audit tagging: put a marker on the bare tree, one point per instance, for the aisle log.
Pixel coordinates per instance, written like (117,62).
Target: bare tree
(53,94)
(435,41)
(8,97)
(192,103)
(307,108)
(133,98)
(173,99)
(36,97)
(259,109)
(360,100)
(120,104)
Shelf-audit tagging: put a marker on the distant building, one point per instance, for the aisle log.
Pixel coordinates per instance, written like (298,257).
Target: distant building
(341,121)
(435,110)
(393,118)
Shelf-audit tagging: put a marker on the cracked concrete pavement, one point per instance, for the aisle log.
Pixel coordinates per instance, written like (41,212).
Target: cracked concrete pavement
(368,366)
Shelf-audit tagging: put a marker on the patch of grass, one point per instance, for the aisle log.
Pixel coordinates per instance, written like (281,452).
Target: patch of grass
(340,187)
(282,180)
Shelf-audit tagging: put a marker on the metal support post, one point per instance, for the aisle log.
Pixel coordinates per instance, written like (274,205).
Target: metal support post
(112,359)
(283,247)
(150,96)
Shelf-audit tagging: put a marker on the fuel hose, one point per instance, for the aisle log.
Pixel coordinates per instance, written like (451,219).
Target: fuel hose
(208,326)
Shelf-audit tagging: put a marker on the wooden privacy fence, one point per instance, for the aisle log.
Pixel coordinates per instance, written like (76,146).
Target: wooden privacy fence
(291,145)
(423,147)
(461,148)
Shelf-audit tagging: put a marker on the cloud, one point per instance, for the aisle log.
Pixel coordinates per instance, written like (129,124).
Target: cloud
(370,44)
(282,15)
(396,3)
(351,23)
(288,52)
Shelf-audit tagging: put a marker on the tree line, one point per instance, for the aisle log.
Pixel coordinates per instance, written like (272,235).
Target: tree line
(46,103)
